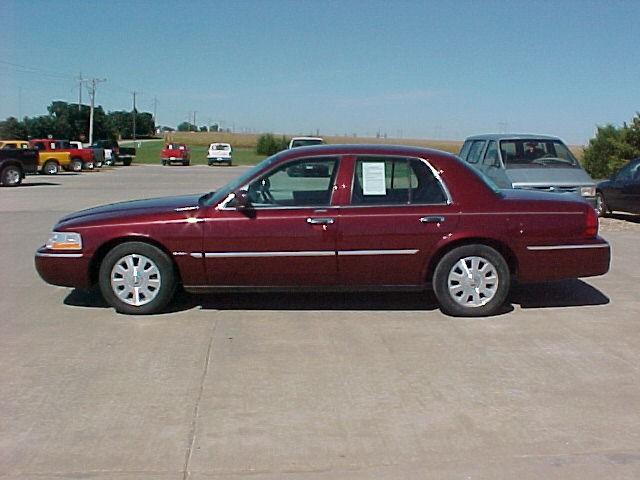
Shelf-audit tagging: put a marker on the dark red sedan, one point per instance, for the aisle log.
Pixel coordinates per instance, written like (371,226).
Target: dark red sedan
(365,217)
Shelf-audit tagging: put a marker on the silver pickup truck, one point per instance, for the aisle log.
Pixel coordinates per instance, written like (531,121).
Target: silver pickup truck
(531,162)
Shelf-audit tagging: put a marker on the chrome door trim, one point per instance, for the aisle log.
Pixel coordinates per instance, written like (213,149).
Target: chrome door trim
(565,247)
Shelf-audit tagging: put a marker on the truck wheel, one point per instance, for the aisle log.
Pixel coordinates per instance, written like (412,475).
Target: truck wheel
(50,167)
(471,281)
(601,205)
(76,165)
(137,278)
(229,163)
(11,176)
(89,165)
(126,162)
(185,164)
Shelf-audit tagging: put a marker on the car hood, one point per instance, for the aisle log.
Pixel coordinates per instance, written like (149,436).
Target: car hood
(549,176)
(133,207)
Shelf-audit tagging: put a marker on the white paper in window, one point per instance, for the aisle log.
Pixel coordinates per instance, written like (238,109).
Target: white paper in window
(373,180)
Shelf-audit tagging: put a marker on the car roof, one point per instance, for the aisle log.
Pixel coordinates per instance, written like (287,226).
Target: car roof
(363,149)
(511,136)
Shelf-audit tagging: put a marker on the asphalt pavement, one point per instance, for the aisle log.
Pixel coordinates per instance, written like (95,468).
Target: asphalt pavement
(288,386)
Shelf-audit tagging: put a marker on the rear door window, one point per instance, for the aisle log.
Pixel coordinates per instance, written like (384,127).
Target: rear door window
(395,181)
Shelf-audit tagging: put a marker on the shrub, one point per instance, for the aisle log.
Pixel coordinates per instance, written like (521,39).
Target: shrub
(269,145)
(611,148)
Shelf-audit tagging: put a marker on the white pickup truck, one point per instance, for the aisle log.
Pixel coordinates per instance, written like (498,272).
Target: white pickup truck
(305,141)
(219,153)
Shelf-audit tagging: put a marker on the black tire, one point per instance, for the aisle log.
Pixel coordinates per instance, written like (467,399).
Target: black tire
(229,163)
(480,289)
(11,176)
(76,165)
(98,164)
(164,163)
(88,166)
(50,167)
(601,205)
(185,164)
(126,162)
(158,273)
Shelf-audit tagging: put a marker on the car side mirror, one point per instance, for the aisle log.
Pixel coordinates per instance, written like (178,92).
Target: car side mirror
(242,200)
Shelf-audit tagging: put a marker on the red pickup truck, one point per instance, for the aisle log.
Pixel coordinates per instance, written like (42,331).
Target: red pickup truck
(81,158)
(175,153)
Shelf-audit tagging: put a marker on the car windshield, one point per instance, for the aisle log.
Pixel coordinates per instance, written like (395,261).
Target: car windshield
(306,143)
(220,194)
(536,153)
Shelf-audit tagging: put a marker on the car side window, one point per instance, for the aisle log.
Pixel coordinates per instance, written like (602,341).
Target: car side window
(395,181)
(626,173)
(465,150)
(491,157)
(302,183)
(475,151)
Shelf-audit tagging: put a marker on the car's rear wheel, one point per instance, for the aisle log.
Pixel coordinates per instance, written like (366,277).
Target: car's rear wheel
(76,165)
(601,205)
(50,167)
(137,278)
(126,162)
(471,281)
(11,176)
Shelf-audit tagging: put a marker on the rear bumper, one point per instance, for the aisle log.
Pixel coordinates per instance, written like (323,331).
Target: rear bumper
(63,269)
(541,263)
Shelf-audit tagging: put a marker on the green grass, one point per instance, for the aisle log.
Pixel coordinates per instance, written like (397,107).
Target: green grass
(149,153)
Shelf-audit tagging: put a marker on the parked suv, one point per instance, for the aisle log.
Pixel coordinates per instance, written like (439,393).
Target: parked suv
(530,162)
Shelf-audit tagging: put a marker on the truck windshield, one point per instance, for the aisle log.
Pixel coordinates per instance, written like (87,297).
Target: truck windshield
(536,153)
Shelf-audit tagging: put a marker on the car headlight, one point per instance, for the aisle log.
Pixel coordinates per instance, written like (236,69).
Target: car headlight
(64,241)
(588,191)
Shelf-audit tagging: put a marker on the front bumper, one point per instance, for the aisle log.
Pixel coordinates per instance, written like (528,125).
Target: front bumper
(65,269)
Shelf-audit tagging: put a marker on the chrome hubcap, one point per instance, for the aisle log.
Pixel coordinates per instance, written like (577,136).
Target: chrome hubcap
(12,176)
(473,281)
(135,279)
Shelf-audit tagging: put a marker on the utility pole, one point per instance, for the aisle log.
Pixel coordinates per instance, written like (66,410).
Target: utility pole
(92,94)
(79,91)
(155,106)
(135,114)
(194,120)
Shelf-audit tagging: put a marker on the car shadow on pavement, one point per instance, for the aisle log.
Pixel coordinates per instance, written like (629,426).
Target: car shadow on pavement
(310,301)
(625,217)
(38,184)
(564,293)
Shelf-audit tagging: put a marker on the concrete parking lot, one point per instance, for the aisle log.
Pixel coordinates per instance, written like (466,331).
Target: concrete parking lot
(331,386)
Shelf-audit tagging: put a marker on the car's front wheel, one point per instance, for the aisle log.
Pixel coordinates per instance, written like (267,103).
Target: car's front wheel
(601,205)
(50,168)
(137,278)
(472,281)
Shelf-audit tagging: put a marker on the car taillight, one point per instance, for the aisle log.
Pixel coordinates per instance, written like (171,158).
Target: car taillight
(591,227)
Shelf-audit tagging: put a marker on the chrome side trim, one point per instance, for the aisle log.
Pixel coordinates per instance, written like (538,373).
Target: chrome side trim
(319,253)
(377,252)
(59,255)
(566,247)
(196,255)
(185,209)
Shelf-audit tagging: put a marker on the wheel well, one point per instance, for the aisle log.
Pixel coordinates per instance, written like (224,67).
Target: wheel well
(11,162)
(101,252)
(500,247)
(51,160)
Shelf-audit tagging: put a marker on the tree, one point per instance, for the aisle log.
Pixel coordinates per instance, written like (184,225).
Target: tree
(268,144)
(12,128)
(611,148)
(187,127)
(204,129)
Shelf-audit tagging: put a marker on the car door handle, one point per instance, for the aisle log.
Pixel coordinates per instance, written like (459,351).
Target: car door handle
(432,219)
(320,220)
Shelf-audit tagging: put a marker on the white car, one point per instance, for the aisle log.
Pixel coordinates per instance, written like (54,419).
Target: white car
(219,153)
(305,141)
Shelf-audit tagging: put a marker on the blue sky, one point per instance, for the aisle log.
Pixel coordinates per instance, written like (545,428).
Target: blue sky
(412,69)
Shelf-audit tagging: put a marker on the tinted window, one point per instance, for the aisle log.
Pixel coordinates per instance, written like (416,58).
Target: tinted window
(395,181)
(475,151)
(630,171)
(465,150)
(491,157)
(302,183)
